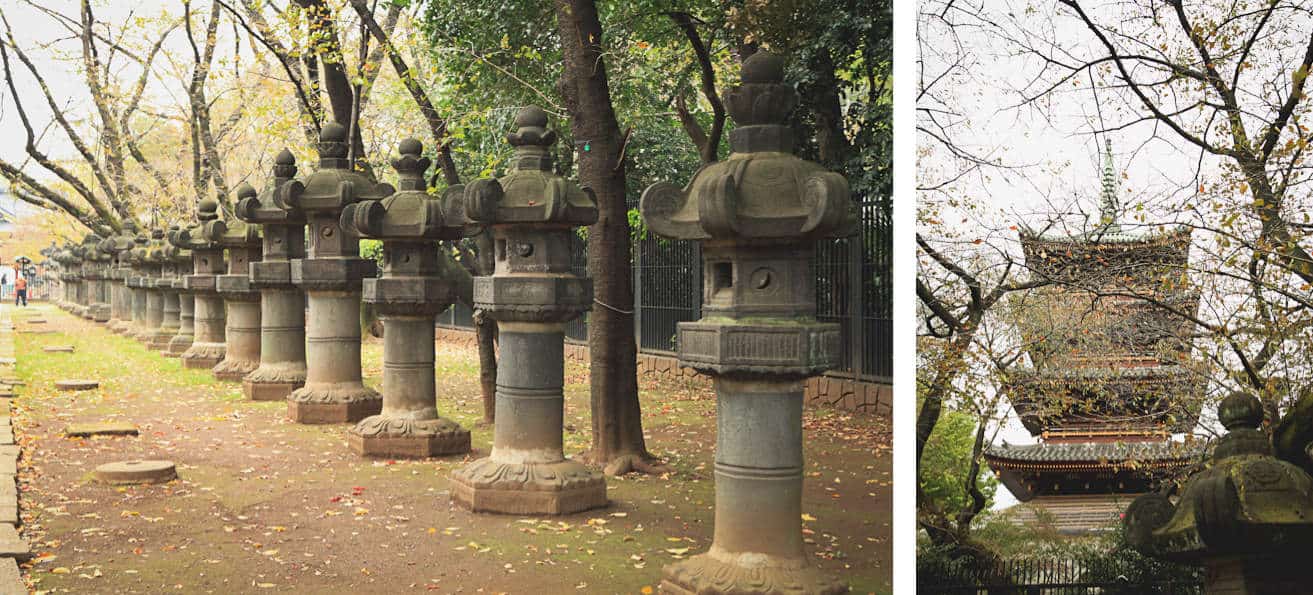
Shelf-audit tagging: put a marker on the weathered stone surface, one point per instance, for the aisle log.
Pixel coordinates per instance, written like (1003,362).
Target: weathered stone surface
(531,293)
(104,428)
(268,391)
(12,545)
(333,412)
(11,580)
(76,384)
(757,217)
(330,274)
(136,472)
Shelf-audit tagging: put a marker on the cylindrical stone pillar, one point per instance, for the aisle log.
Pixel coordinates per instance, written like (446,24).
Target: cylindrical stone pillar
(330,275)
(186,322)
(208,347)
(242,334)
(532,292)
(282,304)
(757,215)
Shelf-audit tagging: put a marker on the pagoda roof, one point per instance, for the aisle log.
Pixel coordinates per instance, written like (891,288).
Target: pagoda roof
(1075,455)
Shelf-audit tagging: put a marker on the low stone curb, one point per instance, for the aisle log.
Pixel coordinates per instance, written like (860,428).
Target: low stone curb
(13,548)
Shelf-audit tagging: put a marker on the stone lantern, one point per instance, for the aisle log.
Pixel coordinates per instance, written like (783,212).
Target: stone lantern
(1247,515)
(173,264)
(154,336)
(95,271)
(91,276)
(414,287)
(242,302)
(330,275)
(532,292)
(282,305)
(182,299)
(120,298)
(135,282)
(185,298)
(757,215)
(68,276)
(207,348)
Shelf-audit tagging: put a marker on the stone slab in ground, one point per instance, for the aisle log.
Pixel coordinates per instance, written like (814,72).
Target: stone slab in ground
(36,321)
(57,349)
(100,428)
(6,435)
(13,546)
(40,331)
(136,472)
(76,384)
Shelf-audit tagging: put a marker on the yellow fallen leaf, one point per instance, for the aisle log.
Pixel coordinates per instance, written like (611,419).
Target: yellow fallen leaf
(60,570)
(808,517)
(265,585)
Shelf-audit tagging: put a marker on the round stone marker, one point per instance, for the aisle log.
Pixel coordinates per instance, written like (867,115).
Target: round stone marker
(136,472)
(76,384)
(57,349)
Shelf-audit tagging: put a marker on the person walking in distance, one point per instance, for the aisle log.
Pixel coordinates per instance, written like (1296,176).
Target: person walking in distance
(20,290)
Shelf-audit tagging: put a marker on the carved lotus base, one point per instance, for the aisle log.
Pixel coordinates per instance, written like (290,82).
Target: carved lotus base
(268,391)
(234,370)
(117,326)
(179,345)
(323,403)
(708,574)
(331,413)
(383,436)
(566,487)
(160,339)
(203,355)
(99,313)
(166,353)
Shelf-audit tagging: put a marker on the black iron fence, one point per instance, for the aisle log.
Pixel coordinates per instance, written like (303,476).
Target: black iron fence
(1064,576)
(854,289)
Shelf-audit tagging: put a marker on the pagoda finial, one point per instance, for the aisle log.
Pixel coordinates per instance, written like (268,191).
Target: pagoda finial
(1108,200)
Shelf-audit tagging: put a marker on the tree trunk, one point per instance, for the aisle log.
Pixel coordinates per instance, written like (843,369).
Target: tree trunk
(616,418)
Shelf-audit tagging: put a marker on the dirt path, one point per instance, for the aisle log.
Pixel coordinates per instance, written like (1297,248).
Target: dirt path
(264,505)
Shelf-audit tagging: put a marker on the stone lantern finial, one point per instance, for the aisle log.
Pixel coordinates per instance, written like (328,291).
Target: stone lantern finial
(1246,516)
(333,146)
(284,165)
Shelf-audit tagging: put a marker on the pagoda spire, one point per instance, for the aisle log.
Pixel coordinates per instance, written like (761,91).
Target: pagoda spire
(1108,199)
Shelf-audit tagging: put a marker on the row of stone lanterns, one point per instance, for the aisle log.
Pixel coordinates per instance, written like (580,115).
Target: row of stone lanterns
(283,317)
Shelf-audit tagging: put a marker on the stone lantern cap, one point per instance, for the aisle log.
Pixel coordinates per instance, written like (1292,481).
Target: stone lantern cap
(530,192)
(89,250)
(1245,502)
(333,262)
(154,256)
(762,190)
(198,238)
(283,227)
(410,213)
(117,247)
(268,207)
(137,260)
(409,222)
(67,259)
(242,240)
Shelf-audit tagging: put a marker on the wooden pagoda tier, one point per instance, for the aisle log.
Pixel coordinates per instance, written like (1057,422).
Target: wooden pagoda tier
(1111,376)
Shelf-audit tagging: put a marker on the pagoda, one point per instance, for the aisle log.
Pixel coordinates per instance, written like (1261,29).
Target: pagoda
(1111,376)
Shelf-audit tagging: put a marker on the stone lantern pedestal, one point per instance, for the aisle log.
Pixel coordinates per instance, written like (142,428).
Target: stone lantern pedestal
(96,273)
(156,336)
(182,340)
(241,301)
(757,215)
(532,292)
(1247,516)
(89,251)
(175,263)
(282,305)
(411,291)
(208,347)
(120,300)
(136,286)
(330,275)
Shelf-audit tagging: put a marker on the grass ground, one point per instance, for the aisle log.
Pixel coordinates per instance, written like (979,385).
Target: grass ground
(264,505)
